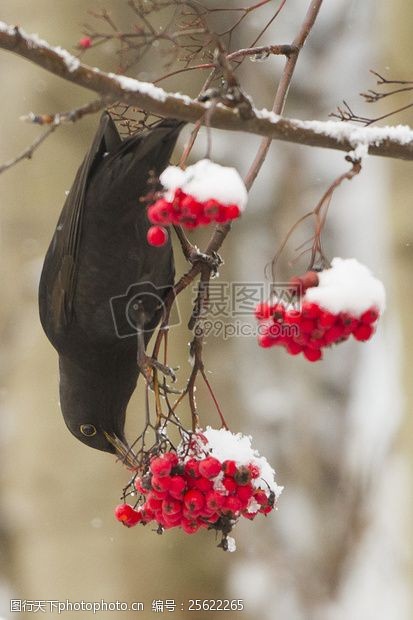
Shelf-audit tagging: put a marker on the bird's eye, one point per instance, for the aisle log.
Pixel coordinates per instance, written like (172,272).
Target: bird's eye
(88,429)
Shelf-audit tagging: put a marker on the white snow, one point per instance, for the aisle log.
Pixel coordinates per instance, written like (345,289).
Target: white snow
(33,40)
(361,150)
(348,286)
(225,445)
(340,130)
(206,180)
(6,28)
(267,115)
(146,88)
(173,177)
(71,62)
(231,545)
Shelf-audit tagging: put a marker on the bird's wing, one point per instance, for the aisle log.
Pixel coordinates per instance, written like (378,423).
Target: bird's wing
(66,242)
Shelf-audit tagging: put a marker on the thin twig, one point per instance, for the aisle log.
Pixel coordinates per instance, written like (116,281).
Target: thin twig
(28,152)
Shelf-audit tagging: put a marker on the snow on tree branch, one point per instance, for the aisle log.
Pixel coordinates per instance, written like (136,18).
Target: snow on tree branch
(395,142)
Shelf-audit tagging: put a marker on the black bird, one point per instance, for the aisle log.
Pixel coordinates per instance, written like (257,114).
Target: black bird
(98,270)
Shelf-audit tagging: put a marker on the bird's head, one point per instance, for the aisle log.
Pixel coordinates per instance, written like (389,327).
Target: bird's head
(94,404)
(94,431)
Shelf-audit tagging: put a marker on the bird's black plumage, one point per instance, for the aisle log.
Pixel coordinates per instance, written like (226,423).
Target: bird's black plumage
(98,261)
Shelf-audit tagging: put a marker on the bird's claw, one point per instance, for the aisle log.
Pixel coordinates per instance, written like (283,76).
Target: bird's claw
(213,260)
(165,389)
(148,364)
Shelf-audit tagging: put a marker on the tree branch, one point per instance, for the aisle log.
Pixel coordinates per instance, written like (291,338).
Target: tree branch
(395,142)
(284,85)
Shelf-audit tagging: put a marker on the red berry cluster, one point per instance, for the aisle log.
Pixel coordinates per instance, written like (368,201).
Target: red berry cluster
(310,330)
(187,211)
(196,493)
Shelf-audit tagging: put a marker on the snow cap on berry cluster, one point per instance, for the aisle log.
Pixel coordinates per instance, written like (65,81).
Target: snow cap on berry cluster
(348,286)
(224,445)
(205,180)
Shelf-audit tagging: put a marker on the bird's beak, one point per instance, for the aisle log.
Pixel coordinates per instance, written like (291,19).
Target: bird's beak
(122,448)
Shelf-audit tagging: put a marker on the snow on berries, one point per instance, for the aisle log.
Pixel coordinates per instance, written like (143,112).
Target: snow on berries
(203,193)
(334,304)
(214,478)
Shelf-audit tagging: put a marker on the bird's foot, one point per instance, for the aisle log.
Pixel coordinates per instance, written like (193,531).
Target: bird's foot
(165,389)
(148,364)
(213,260)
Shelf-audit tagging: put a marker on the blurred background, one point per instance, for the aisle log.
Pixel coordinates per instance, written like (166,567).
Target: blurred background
(338,433)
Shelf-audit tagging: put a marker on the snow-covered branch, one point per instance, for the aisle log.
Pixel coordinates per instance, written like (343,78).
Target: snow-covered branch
(396,142)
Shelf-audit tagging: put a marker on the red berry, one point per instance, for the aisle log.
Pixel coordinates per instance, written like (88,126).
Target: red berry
(229,484)
(177,486)
(194,500)
(160,466)
(363,332)
(249,515)
(244,493)
(229,467)
(311,311)
(350,326)
(137,483)
(211,208)
(254,470)
(159,494)
(191,468)
(370,316)
(266,340)
(172,520)
(334,334)
(232,505)
(209,467)
(313,355)
(160,212)
(161,484)
(85,42)
(294,348)
(188,526)
(211,517)
(157,236)
(274,332)
(327,319)
(203,484)
(127,515)
(172,458)
(278,312)
(147,514)
(261,497)
(292,317)
(233,211)
(309,280)
(214,500)
(171,507)
(153,503)
(263,311)
(307,326)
